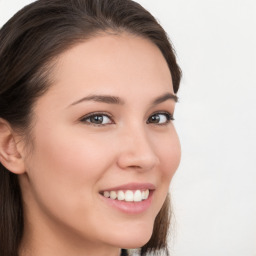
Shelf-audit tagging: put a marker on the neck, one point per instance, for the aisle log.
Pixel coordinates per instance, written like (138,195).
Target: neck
(55,243)
(42,250)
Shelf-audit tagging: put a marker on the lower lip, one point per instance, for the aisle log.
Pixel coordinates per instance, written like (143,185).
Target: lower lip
(130,207)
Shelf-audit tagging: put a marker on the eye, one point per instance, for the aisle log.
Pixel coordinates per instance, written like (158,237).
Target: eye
(97,119)
(160,118)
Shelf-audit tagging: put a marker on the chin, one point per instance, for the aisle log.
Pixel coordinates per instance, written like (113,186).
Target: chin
(134,244)
(136,238)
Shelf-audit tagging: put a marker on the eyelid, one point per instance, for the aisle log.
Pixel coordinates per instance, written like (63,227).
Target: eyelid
(163,112)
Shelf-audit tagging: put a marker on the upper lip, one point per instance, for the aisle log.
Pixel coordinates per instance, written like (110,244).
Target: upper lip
(132,186)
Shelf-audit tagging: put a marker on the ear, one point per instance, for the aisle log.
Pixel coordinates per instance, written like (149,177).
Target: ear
(10,155)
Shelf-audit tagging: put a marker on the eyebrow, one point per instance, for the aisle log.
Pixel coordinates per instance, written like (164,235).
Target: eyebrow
(101,98)
(109,99)
(166,96)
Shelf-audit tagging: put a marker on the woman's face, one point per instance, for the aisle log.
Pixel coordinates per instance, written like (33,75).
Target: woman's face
(103,126)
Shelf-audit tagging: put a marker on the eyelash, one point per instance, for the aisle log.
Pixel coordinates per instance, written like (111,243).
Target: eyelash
(169,118)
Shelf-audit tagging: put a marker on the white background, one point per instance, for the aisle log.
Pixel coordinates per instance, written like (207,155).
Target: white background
(214,190)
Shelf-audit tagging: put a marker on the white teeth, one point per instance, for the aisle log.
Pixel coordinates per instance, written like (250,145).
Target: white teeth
(120,195)
(106,194)
(137,196)
(143,195)
(113,195)
(146,194)
(128,195)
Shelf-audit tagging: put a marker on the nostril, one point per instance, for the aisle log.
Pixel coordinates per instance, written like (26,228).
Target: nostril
(135,167)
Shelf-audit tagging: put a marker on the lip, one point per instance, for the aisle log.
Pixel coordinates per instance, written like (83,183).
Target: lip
(130,207)
(132,186)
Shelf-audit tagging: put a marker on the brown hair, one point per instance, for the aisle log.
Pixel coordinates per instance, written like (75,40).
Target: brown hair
(29,42)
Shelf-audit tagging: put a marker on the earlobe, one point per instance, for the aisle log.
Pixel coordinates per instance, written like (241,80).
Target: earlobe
(10,157)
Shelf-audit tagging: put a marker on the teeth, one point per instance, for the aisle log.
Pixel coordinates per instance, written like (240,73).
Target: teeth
(128,195)
(113,195)
(146,194)
(106,194)
(143,195)
(120,195)
(137,196)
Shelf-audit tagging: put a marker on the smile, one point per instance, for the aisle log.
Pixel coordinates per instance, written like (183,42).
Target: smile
(128,195)
(132,198)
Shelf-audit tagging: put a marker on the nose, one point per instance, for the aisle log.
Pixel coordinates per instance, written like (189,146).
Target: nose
(137,152)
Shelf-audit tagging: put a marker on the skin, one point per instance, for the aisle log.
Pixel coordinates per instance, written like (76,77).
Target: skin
(73,159)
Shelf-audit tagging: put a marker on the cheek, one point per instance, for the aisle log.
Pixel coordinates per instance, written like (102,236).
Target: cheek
(169,152)
(66,167)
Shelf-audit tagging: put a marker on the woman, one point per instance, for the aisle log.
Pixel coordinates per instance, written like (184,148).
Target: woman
(87,145)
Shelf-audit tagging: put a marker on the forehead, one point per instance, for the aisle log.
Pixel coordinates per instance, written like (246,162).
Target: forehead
(112,64)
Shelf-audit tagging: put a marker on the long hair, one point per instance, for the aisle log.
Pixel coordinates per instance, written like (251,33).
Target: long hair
(29,42)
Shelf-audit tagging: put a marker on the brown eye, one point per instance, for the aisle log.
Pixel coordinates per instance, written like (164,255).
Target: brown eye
(160,118)
(154,119)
